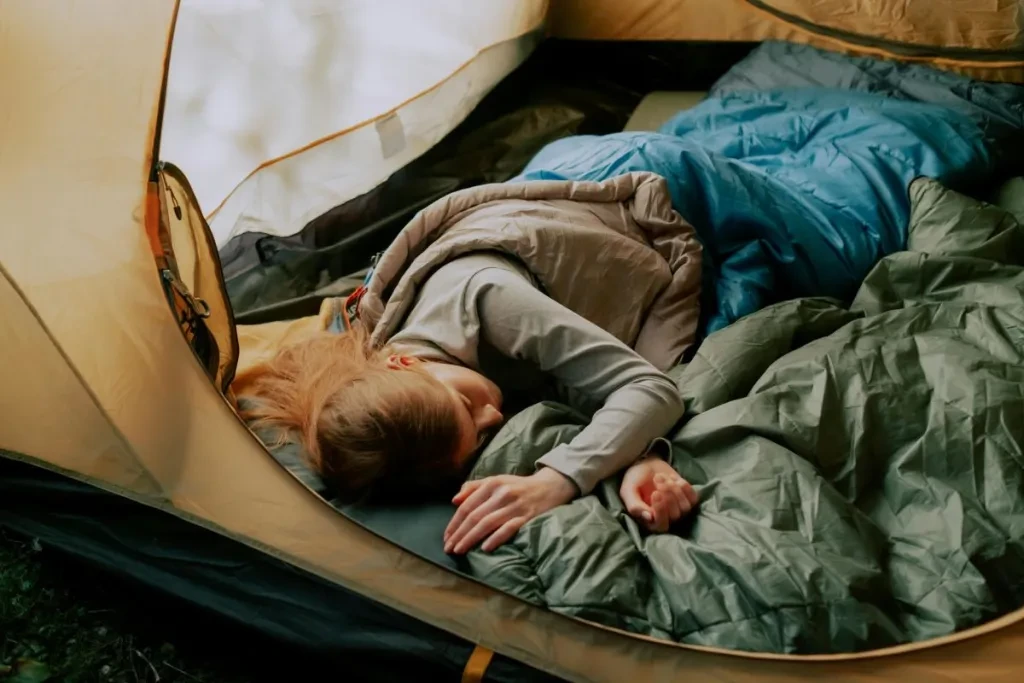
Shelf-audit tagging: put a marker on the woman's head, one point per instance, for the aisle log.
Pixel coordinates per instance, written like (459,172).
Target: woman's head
(476,401)
(372,422)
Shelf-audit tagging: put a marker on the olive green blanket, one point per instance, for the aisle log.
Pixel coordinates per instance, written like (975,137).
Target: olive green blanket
(860,467)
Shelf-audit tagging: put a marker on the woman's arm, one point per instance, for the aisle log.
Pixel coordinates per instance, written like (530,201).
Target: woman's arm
(634,402)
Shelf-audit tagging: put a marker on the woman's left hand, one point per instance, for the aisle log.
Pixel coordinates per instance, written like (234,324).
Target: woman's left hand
(495,508)
(656,495)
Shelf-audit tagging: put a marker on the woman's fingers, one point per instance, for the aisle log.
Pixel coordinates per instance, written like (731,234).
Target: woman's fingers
(672,498)
(481,528)
(666,485)
(685,496)
(680,499)
(641,512)
(469,506)
(634,502)
(659,505)
(672,505)
(503,534)
(466,490)
(690,494)
(471,524)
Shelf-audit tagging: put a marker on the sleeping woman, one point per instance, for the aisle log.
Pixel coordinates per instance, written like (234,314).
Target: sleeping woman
(498,295)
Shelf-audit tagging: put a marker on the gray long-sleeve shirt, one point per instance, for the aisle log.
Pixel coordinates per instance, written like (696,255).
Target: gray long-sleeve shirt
(486,312)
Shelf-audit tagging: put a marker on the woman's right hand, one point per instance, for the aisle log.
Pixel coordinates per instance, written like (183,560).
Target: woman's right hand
(655,495)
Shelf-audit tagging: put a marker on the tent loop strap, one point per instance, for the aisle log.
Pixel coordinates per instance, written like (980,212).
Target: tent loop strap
(476,665)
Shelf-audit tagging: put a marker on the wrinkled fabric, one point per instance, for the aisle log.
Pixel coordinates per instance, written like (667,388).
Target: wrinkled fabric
(998,108)
(792,192)
(613,252)
(860,467)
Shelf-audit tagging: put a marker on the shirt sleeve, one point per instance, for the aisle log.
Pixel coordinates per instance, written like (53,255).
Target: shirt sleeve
(637,403)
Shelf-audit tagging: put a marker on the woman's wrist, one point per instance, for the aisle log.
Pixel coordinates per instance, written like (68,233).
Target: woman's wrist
(565,486)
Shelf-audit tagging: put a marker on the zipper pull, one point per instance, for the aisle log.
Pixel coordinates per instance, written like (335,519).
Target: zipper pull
(198,306)
(174,202)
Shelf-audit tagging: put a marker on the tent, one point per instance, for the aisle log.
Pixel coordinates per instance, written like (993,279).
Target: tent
(119,443)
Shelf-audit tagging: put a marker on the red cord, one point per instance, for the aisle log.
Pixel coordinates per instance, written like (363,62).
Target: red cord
(353,298)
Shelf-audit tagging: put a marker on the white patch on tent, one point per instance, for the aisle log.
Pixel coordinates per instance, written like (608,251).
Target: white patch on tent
(391,133)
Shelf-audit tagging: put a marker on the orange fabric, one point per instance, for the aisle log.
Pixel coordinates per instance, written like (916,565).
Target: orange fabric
(477,665)
(992,25)
(152,220)
(946,62)
(991,28)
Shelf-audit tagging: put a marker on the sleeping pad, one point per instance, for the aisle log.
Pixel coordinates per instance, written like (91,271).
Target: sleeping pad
(860,467)
(795,191)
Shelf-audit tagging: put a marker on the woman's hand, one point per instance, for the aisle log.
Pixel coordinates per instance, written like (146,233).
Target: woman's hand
(495,507)
(655,494)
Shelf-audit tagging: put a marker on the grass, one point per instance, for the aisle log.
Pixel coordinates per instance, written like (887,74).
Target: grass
(62,622)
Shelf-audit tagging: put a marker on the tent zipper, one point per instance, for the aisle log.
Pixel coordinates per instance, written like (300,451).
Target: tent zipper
(897,48)
(197,305)
(174,202)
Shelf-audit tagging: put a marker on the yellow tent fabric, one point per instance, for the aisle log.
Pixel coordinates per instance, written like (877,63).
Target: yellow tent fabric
(983,40)
(97,383)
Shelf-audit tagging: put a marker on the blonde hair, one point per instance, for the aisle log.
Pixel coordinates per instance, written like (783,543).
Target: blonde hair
(366,428)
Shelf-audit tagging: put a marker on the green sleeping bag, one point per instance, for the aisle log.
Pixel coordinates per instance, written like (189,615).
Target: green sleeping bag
(861,468)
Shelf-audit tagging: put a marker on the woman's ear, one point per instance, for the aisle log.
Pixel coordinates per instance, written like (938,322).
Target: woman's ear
(397,362)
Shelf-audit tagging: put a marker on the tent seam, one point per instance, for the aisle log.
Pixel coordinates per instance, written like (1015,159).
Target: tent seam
(93,398)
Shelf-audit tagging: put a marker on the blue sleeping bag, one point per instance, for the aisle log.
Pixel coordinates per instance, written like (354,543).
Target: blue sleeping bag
(793,191)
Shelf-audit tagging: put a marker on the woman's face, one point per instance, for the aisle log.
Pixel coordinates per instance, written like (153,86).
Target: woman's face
(476,399)
(477,403)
